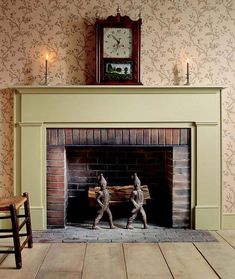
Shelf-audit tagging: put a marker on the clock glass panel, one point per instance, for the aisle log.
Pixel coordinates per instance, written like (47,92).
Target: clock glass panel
(119,71)
(117,43)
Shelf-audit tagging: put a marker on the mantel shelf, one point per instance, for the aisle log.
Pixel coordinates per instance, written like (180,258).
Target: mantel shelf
(111,89)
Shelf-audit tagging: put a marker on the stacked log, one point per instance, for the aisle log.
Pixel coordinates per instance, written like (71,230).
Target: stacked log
(118,194)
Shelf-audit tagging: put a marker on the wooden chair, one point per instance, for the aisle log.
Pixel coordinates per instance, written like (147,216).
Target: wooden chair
(12,205)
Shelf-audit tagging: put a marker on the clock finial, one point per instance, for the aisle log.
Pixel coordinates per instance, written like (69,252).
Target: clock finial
(140,15)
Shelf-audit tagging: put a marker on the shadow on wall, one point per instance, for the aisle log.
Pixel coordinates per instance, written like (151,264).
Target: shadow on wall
(176,74)
(79,54)
(89,45)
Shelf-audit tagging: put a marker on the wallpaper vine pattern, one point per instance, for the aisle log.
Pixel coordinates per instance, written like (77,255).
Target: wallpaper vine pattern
(172,30)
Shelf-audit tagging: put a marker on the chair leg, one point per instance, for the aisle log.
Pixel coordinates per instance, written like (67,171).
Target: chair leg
(28,223)
(16,237)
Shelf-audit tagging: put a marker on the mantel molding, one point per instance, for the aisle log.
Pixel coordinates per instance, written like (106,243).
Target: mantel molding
(108,89)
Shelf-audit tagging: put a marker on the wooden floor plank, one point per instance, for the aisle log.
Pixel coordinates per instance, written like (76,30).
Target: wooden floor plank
(63,257)
(145,261)
(221,256)
(229,236)
(185,261)
(32,260)
(58,275)
(122,261)
(217,236)
(104,261)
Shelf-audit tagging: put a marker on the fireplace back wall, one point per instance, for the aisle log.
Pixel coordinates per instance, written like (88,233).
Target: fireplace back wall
(117,164)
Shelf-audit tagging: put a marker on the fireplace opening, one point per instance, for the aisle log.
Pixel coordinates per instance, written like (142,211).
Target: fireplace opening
(160,157)
(118,164)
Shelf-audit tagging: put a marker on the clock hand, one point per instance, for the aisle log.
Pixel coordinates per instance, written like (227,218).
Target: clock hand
(118,41)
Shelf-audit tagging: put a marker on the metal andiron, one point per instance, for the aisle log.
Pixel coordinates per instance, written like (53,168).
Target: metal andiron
(103,199)
(137,198)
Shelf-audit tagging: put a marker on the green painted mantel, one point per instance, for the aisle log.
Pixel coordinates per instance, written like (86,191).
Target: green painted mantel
(198,108)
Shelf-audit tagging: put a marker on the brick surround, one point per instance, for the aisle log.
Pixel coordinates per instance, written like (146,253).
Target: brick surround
(76,156)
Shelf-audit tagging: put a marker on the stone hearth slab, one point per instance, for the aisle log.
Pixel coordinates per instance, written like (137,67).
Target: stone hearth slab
(154,234)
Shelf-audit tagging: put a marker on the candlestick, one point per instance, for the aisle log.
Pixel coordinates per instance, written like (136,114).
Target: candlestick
(187,73)
(46,70)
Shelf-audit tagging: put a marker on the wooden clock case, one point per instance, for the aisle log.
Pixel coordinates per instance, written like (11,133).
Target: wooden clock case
(118,21)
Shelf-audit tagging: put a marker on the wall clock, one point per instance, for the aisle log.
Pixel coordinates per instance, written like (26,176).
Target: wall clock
(118,50)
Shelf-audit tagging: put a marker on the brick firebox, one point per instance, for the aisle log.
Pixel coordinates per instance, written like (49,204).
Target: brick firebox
(160,156)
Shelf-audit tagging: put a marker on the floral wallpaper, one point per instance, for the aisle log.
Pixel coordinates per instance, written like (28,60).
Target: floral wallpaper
(172,31)
(6,142)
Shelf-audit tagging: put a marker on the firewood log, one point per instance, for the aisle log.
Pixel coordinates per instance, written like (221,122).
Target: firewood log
(118,194)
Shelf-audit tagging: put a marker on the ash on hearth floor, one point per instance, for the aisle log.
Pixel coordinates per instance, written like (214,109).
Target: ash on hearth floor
(154,234)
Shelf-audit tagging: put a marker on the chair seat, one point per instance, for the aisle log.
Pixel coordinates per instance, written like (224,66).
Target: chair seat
(5,203)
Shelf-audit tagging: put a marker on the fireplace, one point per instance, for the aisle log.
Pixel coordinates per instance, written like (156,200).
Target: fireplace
(161,157)
(91,118)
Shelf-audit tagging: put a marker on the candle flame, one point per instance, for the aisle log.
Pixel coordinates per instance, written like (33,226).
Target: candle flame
(187,60)
(47,57)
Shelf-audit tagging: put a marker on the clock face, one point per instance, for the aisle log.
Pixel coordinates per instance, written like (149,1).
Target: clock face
(117,43)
